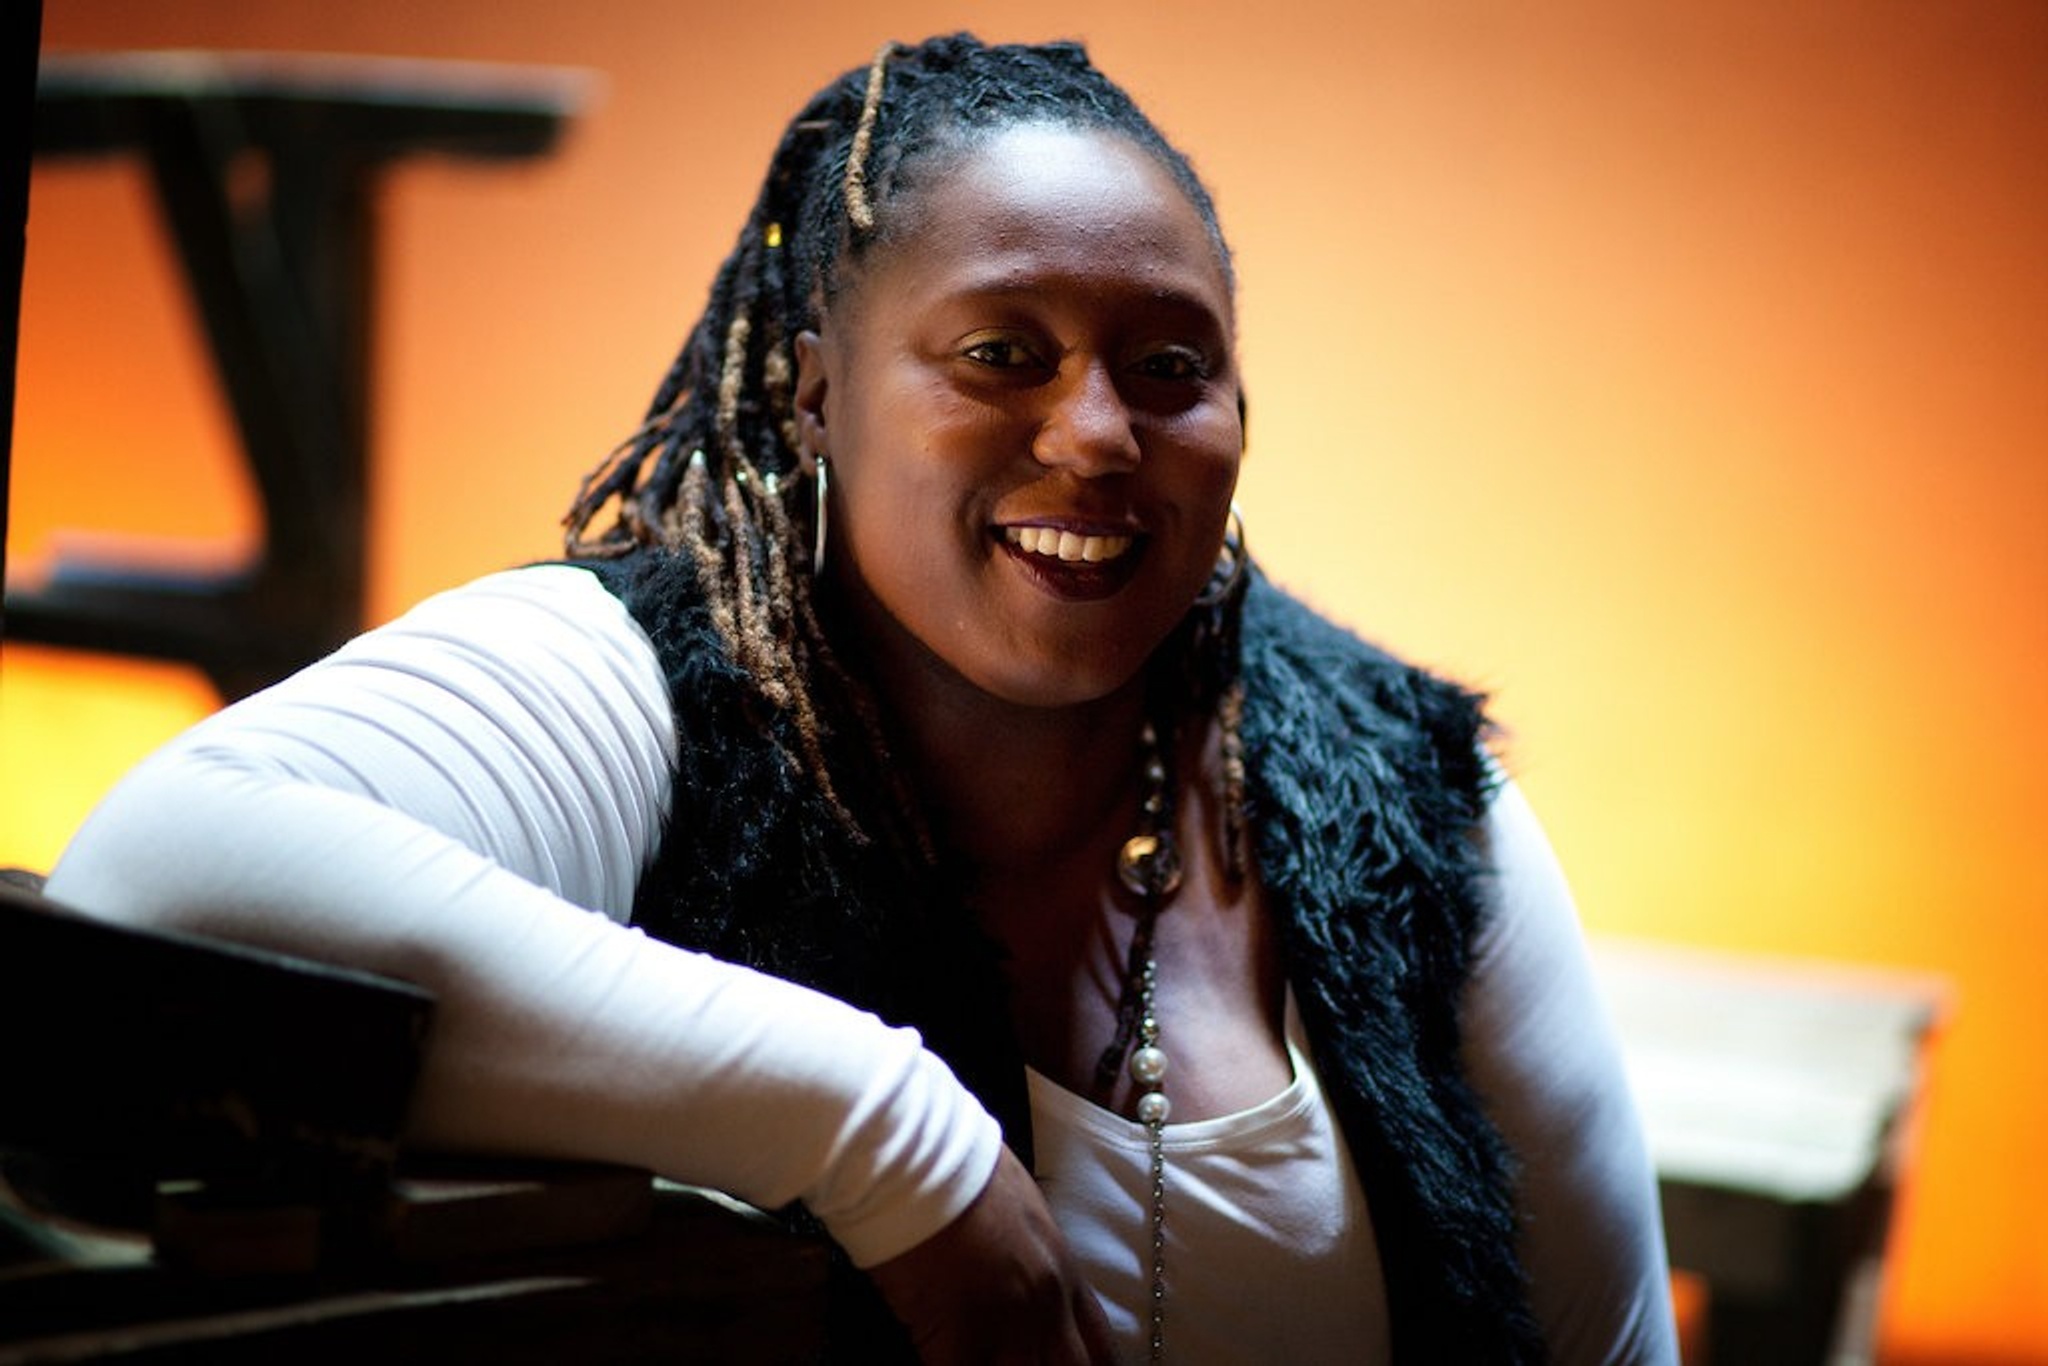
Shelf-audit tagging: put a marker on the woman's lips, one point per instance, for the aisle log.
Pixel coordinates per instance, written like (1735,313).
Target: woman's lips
(1074,565)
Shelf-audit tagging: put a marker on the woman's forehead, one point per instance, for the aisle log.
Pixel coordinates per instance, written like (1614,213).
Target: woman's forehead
(1005,199)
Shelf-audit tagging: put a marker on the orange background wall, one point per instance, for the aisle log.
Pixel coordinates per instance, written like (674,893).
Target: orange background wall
(1679,372)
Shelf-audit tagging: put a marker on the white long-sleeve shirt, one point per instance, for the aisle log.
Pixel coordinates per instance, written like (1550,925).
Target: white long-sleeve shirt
(449,799)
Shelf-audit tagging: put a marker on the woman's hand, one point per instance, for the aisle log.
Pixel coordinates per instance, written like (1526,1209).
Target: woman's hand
(997,1284)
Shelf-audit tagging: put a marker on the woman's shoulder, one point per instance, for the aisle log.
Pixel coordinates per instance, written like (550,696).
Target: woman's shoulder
(532,595)
(536,619)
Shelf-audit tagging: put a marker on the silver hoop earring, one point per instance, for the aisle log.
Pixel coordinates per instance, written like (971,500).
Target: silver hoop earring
(1231,561)
(821,488)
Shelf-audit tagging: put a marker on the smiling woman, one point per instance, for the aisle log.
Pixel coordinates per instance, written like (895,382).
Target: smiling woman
(1058,342)
(913,804)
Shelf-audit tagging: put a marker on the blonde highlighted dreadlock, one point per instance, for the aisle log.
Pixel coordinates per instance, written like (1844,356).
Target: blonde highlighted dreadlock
(860,210)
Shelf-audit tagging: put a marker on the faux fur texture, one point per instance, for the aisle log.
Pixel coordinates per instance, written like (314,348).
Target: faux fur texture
(1366,780)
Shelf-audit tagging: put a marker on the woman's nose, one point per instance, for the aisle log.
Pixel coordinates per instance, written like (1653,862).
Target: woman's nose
(1087,428)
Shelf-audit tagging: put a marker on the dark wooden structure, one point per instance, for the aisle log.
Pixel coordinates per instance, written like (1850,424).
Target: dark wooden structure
(200,1146)
(265,168)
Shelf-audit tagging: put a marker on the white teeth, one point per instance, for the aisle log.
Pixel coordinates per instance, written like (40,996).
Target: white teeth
(1066,545)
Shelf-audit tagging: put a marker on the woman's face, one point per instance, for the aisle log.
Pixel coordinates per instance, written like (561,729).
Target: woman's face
(1030,401)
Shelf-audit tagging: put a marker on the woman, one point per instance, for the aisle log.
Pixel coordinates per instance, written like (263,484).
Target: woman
(920,677)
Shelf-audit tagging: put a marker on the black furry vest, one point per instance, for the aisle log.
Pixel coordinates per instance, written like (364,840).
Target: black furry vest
(1365,781)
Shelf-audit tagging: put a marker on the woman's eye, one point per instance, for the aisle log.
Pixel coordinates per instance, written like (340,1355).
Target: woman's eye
(999,352)
(1175,363)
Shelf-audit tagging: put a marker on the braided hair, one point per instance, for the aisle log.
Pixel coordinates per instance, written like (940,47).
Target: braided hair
(712,473)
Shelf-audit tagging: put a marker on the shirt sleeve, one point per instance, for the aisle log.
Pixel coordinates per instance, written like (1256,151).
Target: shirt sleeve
(1544,1057)
(465,799)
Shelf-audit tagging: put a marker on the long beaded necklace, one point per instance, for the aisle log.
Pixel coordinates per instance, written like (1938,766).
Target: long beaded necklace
(1149,866)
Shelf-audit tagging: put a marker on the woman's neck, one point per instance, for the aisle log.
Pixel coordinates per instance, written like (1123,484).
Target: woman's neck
(1014,789)
(1007,787)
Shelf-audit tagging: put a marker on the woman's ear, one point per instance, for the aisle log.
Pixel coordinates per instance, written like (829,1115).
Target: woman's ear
(810,400)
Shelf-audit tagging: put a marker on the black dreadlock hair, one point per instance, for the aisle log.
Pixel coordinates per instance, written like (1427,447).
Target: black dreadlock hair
(711,472)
